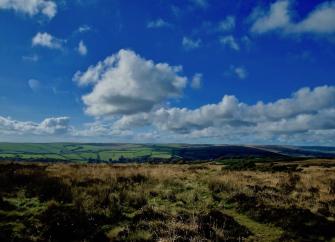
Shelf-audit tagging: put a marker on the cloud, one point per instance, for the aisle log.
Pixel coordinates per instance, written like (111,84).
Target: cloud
(305,114)
(321,20)
(183,120)
(306,117)
(84,28)
(31,7)
(196,81)
(279,18)
(32,58)
(126,83)
(47,40)
(82,49)
(190,44)
(158,23)
(58,125)
(227,24)
(34,84)
(133,120)
(312,107)
(100,129)
(49,126)
(239,71)
(230,41)
(200,3)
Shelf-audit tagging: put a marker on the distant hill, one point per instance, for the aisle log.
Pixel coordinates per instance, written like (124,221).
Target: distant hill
(301,151)
(120,152)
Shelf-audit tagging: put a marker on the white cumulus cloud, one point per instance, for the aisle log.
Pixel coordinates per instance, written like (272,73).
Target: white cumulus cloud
(307,109)
(82,49)
(84,28)
(302,116)
(227,24)
(126,83)
(305,117)
(196,81)
(230,41)
(47,40)
(31,7)
(49,126)
(240,72)
(190,44)
(321,20)
(277,17)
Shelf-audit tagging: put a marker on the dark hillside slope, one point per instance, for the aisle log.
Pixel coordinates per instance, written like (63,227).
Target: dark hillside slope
(128,152)
(296,151)
(225,151)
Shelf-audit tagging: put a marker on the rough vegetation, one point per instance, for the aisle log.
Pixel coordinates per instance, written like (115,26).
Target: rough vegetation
(204,202)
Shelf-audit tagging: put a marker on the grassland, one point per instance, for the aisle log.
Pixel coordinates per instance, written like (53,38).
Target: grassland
(141,202)
(80,152)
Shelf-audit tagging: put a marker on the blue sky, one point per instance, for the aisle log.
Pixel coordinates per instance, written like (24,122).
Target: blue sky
(196,71)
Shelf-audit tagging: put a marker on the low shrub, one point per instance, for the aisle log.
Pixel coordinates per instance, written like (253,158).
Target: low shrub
(238,165)
(221,185)
(217,226)
(66,223)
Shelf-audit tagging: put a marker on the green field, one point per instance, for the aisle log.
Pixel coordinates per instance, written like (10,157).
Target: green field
(80,152)
(120,152)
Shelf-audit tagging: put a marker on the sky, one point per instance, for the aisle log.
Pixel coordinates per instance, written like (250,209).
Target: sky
(168,71)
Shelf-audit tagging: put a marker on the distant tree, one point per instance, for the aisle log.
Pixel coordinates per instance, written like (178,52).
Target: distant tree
(98,158)
(122,159)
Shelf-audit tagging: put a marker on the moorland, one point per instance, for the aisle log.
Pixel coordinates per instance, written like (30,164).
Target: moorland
(232,199)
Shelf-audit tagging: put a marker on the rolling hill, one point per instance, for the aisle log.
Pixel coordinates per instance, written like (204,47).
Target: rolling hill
(119,152)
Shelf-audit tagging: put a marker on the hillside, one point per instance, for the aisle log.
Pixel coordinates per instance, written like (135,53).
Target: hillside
(118,152)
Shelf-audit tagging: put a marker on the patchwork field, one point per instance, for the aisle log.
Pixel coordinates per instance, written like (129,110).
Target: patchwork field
(80,152)
(293,201)
(116,153)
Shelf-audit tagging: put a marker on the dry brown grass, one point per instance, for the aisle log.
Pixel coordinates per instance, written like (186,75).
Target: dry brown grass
(165,202)
(307,189)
